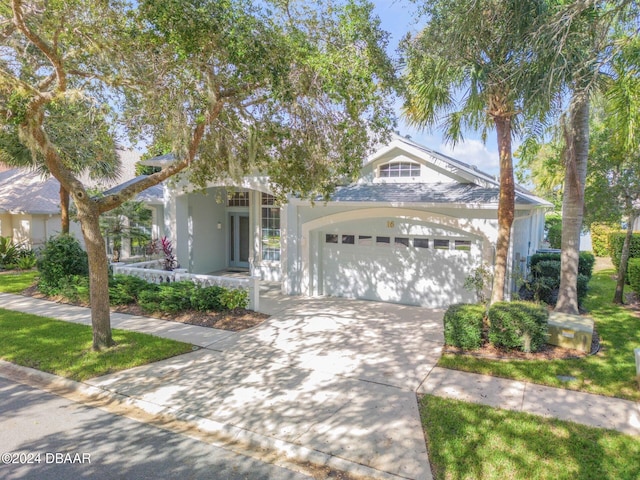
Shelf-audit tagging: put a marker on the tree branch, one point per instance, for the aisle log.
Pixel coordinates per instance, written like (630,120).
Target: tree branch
(39,43)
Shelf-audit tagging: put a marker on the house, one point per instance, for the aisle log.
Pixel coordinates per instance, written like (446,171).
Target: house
(30,203)
(410,230)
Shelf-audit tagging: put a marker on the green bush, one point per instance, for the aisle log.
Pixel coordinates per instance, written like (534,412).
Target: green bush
(616,241)
(148,298)
(207,298)
(463,326)
(232,299)
(27,260)
(553,227)
(633,275)
(74,288)
(518,325)
(586,260)
(125,289)
(600,238)
(61,257)
(175,297)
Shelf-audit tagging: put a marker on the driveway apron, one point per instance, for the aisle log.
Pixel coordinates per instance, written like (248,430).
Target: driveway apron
(334,375)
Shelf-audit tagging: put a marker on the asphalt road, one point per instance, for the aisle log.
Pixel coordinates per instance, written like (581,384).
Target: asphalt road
(64,440)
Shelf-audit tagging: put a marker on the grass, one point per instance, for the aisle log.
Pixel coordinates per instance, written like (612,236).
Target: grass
(611,372)
(469,441)
(64,348)
(17,282)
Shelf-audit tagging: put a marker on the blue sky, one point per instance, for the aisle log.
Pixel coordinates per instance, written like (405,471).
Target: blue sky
(398,17)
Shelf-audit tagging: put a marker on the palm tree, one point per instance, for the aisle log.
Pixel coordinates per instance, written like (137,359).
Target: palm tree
(94,155)
(464,69)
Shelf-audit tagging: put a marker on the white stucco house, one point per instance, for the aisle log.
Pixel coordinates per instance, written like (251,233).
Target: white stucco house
(410,230)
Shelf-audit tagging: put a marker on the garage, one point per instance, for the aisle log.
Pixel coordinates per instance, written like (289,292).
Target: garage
(396,260)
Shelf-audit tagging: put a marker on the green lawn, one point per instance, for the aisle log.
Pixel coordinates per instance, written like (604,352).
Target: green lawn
(17,282)
(611,372)
(64,348)
(468,441)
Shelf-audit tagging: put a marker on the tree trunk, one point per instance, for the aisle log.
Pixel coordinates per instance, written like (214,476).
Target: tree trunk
(624,259)
(98,272)
(576,155)
(64,209)
(506,203)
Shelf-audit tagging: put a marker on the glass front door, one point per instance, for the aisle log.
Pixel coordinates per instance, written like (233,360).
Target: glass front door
(239,240)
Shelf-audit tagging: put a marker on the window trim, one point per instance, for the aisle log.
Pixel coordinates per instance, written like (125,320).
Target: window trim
(399,169)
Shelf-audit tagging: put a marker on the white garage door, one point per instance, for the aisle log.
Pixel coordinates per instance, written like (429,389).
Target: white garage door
(427,270)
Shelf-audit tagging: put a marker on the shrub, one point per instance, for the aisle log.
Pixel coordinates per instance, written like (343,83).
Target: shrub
(232,299)
(175,297)
(207,298)
(74,288)
(553,227)
(125,289)
(27,260)
(518,325)
(61,257)
(633,275)
(463,325)
(600,238)
(616,241)
(586,261)
(148,298)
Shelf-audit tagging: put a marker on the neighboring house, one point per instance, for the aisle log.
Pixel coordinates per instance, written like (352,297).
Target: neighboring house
(30,203)
(410,230)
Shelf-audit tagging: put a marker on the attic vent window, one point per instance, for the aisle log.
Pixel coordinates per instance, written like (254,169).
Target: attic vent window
(399,169)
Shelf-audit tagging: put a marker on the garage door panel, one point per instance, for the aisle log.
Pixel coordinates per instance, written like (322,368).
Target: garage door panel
(409,275)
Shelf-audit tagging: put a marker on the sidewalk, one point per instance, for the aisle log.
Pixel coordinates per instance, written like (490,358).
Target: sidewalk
(321,381)
(570,405)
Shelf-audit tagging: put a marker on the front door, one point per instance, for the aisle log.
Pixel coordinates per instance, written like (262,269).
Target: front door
(239,240)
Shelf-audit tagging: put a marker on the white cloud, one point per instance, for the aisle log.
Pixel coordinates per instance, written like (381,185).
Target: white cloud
(473,152)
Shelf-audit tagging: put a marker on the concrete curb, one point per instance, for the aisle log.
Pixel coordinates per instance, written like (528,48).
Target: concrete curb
(224,434)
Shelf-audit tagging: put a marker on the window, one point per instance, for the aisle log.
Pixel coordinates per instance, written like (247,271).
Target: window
(441,244)
(270,228)
(401,242)
(399,169)
(239,199)
(348,239)
(331,238)
(365,240)
(421,242)
(462,245)
(383,241)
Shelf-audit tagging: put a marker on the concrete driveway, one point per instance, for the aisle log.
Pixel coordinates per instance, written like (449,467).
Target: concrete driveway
(331,375)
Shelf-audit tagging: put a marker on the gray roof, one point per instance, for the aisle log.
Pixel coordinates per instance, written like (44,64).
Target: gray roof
(153,194)
(454,192)
(23,191)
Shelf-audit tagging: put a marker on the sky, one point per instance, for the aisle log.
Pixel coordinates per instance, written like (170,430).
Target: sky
(399,17)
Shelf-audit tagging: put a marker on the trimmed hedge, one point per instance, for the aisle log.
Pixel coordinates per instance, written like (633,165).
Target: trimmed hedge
(174,297)
(633,274)
(463,325)
(518,325)
(545,281)
(616,242)
(586,260)
(600,238)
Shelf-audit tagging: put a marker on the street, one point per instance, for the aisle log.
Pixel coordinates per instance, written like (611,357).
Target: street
(46,436)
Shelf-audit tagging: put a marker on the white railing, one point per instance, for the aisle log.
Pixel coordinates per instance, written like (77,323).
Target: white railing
(152,272)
